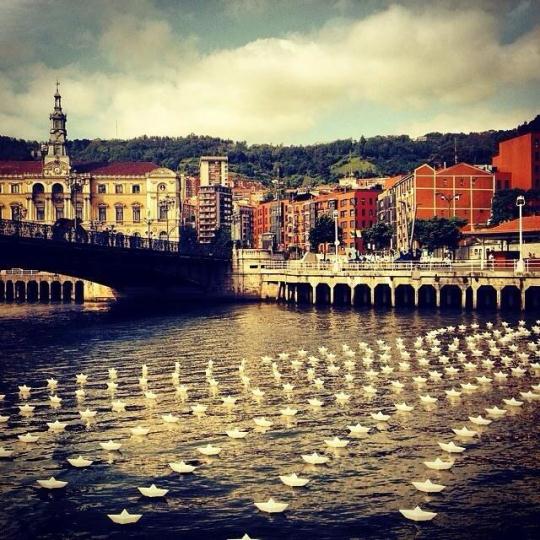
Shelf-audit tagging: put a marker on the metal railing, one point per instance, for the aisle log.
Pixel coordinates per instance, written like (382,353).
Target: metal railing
(106,238)
(459,266)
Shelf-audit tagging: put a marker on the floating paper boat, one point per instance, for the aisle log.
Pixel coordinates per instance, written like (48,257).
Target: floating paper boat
(403,407)
(52,383)
(124,517)
(439,464)
(380,417)
(236,433)
(513,402)
(80,393)
(262,422)
(229,401)
(170,418)
(465,432)
(209,450)
(28,438)
(428,486)
(495,412)
(153,491)
(293,480)
(271,506)
(428,399)
(118,406)
(358,429)
(288,411)
(452,393)
(112,374)
(87,414)
(182,467)
(336,442)
(24,390)
(199,408)
(342,397)
(81,378)
(451,447)
(110,445)
(417,514)
(257,393)
(315,459)
(150,395)
(469,387)
(480,420)
(26,409)
(79,462)
(57,426)
(314,402)
(287,387)
(55,400)
(139,431)
(52,483)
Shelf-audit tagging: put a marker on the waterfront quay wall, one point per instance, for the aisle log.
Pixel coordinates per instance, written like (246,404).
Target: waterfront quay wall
(469,284)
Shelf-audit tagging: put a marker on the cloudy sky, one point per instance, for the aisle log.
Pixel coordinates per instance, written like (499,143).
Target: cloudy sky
(278,71)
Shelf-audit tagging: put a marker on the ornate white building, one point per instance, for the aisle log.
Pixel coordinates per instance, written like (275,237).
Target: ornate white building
(133,198)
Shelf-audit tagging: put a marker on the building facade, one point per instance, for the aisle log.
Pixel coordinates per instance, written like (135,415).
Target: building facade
(214,212)
(461,191)
(242,224)
(214,170)
(133,198)
(517,165)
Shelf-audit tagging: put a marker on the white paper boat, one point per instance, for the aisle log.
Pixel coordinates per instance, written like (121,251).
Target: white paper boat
(262,422)
(150,395)
(513,402)
(336,442)
(287,387)
(439,464)
(314,402)
(315,459)
(293,480)
(229,401)
(182,467)
(81,378)
(209,450)
(403,407)
(170,418)
(57,426)
(79,462)
(113,374)
(124,517)
(110,446)
(428,399)
(52,483)
(417,514)
(480,420)
(465,432)
(358,429)
(451,447)
(380,417)
(52,383)
(118,406)
(28,438)
(153,491)
(288,411)
(342,397)
(24,390)
(80,393)
(55,400)
(26,409)
(199,409)
(495,412)
(428,486)
(139,431)
(236,433)
(87,414)
(452,393)
(271,506)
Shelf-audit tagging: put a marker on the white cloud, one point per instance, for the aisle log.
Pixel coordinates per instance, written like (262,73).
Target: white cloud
(156,82)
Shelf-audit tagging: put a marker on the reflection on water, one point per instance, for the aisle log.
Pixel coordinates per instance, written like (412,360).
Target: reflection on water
(492,491)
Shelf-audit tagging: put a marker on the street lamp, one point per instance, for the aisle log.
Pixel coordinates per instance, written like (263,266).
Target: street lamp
(75,184)
(336,239)
(449,199)
(148,222)
(520,203)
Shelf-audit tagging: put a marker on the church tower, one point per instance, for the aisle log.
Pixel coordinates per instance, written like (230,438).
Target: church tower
(55,158)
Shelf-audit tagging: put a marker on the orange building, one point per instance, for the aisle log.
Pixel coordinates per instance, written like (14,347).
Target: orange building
(518,163)
(462,191)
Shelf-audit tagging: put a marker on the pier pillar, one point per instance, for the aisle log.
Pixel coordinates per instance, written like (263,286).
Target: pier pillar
(437,297)
(369,296)
(474,297)
(392,297)
(331,287)
(416,296)
(295,293)
(353,294)
(498,298)
(523,298)
(313,293)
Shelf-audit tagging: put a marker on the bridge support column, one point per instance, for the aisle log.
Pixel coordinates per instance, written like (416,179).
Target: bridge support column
(498,298)
(295,293)
(437,297)
(416,296)
(474,295)
(313,293)
(331,287)
(353,294)
(392,297)
(523,299)
(369,296)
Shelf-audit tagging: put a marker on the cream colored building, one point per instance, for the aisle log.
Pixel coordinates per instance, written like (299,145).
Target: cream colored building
(132,198)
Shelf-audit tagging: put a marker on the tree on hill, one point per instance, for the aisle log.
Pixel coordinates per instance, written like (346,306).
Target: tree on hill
(504,208)
(438,232)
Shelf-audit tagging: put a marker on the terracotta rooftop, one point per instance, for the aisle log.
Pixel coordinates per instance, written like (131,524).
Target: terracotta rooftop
(530,224)
(129,168)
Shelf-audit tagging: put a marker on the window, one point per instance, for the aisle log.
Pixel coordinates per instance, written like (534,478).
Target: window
(79,212)
(59,210)
(343,202)
(40,213)
(135,188)
(343,213)
(102,213)
(15,188)
(119,211)
(15,213)
(351,213)
(162,213)
(136,214)
(118,188)
(102,188)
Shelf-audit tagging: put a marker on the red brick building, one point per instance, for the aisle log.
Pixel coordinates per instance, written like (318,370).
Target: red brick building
(517,164)
(462,191)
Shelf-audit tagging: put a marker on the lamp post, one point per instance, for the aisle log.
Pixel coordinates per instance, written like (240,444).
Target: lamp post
(336,240)
(75,183)
(148,222)
(449,199)
(520,203)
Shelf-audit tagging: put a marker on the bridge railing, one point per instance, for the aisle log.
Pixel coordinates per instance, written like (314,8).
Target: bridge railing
(466,265)
(30,229)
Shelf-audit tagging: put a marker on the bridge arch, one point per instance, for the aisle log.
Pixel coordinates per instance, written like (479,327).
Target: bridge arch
(2,291)
(426,296)
(342,294)
(10,291)
(487,297)
(44,291)
(532,298)
(67,291)
(20,291)
(362,295)
(32,291)
(510,297)
(79,291)
(451,296)
(405,295)
(56,291)
(322,293)
(383,295)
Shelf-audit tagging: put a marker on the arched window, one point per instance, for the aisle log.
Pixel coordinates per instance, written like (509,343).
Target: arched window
(37,189)
(163,235)
(119,213)
(136,209)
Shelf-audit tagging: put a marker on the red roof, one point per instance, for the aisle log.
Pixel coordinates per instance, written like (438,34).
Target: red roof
(118,168)
(20,167)
(531,224)
(462,168)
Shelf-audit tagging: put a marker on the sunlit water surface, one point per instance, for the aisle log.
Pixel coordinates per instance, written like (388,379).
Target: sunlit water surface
(493,490)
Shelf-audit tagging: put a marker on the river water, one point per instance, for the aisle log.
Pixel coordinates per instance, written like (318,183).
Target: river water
(493,490)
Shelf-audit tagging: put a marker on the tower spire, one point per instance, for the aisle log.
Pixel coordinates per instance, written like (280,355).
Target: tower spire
(56,147)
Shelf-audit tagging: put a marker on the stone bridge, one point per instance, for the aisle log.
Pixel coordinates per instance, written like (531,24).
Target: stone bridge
(466,284)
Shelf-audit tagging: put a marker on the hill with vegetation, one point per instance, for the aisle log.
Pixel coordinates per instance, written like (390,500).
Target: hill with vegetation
(294,165)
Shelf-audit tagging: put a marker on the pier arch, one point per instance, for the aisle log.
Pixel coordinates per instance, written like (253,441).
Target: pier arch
(67,291)
(405,295)
(20,291)
(383,295)
(362,295)
(32,291)
(486,297)
(342,294)
(532,298)
(79,292)
(56,291)
(427,296)
(510,297)
(323,294)
(451,296)
(44,291)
